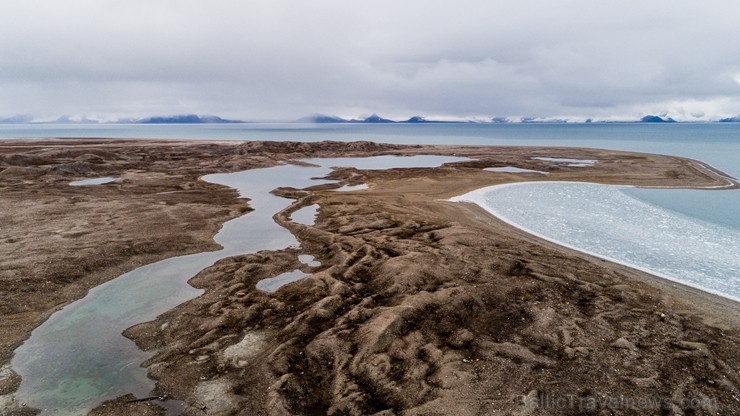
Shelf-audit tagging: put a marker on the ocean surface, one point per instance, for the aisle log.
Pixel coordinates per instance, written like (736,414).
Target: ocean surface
(717,144)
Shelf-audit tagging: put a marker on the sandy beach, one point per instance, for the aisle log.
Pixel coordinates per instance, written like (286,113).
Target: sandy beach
(420,306)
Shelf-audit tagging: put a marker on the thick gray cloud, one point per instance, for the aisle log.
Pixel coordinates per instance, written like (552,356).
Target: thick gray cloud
(272,59)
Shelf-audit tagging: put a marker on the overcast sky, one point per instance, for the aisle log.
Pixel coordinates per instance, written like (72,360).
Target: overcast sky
(281,60)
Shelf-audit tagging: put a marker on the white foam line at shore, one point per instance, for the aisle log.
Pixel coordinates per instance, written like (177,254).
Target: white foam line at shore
(730,181)
(476,197)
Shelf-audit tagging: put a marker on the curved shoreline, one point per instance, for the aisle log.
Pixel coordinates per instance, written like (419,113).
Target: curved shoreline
(474,198)
(732,182)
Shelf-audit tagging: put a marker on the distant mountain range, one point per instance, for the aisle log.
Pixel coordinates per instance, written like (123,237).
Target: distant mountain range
(177,119)
(373,119)
(657,119)
(321,119)
(327,119)
(183,119)
(376,119)
(16,120)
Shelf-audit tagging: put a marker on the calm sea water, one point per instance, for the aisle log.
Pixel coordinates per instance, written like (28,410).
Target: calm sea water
(715,143)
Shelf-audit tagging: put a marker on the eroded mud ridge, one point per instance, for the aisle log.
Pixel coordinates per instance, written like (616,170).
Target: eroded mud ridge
(427,307)
(418,307)
(58,241)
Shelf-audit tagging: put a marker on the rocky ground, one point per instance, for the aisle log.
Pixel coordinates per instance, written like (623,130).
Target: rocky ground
(419,306)
(58,241)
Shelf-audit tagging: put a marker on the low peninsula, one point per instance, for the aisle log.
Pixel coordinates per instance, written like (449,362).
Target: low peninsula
(420,306)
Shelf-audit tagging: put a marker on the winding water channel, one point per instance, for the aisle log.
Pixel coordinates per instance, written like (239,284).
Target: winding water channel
(78,358)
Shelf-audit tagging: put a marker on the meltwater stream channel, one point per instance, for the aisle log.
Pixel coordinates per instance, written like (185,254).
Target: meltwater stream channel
(78,358)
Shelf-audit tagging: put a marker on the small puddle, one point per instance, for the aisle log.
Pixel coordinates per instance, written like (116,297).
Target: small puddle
(306,215)
(577,163)
(93,181)
(274,283)
(350,188)
(512,169)
(309,260)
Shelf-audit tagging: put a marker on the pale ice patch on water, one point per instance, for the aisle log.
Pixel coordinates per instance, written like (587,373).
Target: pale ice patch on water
(577,163)
(306,215)
(274,283)
(349,188)
(512,169)
(605,221)
(309,260)
(386,162)
(93,181)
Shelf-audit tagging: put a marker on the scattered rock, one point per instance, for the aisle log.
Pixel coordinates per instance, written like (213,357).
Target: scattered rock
(624,344)
(216,398)
(241,353)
